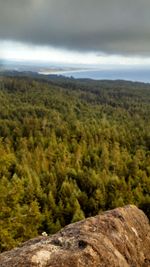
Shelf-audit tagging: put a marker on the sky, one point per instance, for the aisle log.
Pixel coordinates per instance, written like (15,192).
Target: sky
(76,31)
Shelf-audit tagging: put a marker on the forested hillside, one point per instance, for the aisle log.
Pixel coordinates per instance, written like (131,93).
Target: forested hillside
(70,149)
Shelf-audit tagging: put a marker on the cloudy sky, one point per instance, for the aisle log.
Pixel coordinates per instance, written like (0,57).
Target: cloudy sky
(77,31)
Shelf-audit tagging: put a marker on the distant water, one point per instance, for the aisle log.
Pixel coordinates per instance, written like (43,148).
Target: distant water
(141,75)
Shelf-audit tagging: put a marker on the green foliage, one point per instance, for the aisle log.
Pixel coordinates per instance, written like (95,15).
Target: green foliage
(68,150)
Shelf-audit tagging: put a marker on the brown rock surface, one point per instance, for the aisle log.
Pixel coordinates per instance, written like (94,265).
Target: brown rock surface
(117,238)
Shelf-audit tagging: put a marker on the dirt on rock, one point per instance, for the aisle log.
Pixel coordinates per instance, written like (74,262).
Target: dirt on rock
(116,238)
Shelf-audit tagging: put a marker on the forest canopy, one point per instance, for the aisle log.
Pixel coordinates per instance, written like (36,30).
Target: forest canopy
(70,149)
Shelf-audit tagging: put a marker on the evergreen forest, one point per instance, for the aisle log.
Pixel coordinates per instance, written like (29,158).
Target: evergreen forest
(70,149)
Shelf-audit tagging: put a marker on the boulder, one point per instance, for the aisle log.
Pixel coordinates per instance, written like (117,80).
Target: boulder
(116,238)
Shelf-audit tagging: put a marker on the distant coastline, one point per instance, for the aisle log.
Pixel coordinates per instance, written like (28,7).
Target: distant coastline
(139,75)
(102,72)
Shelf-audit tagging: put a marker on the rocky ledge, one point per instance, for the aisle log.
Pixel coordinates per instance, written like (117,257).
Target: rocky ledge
(116,238)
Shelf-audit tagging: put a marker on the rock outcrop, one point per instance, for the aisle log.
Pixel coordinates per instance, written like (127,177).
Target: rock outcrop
(116,238)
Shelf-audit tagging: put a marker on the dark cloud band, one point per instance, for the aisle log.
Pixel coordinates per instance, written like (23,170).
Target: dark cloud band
(109,26)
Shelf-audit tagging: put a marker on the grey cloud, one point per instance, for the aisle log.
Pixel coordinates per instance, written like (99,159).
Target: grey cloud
(108,26)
